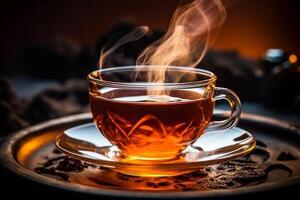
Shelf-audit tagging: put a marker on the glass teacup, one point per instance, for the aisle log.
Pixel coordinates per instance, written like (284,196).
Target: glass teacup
(152,126)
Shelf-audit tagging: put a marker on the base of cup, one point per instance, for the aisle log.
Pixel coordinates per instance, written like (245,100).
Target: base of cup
(152,166)
(153,171)
(150,158)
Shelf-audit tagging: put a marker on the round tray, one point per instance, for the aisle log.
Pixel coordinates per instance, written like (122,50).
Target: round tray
(277,155)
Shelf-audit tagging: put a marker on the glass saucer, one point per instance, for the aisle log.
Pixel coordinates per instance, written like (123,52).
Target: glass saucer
(85,142)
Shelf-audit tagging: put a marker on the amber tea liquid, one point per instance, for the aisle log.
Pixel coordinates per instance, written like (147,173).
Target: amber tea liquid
(151,127)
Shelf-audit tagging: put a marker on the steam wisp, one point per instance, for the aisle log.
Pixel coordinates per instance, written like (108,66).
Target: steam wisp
(191,32)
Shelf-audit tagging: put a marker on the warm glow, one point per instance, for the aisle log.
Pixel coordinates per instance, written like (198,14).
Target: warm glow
(293,58)
(28,148)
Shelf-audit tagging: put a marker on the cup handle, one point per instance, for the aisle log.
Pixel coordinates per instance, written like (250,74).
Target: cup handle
(235,105)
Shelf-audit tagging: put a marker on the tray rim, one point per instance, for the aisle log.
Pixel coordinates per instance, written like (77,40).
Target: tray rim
(8,161)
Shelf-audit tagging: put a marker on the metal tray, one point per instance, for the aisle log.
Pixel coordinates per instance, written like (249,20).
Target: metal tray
(278,151)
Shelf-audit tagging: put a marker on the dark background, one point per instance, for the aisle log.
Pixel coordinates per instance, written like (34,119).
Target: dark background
(252,26)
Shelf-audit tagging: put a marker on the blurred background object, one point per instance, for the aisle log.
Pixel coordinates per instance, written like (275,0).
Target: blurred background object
(280,87)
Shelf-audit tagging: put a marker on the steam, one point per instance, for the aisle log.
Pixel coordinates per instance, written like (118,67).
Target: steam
(192,30)
(189,30)
(134,35)
(186,42)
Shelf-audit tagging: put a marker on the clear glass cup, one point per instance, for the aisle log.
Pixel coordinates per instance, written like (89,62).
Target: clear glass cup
(157,121)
